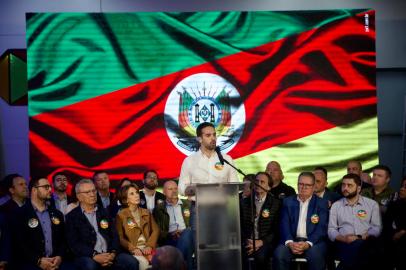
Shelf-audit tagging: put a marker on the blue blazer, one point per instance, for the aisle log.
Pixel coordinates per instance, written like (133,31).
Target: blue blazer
(316,221)
(82,237)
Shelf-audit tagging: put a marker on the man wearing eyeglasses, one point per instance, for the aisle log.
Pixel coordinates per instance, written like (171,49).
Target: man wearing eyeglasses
(38,231)
(303,227)
(91,233)
(149,196)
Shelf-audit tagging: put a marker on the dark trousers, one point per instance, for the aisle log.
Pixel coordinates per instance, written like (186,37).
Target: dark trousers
(261,257)
(360,254)
(315,257)
(185,244)
(123,261)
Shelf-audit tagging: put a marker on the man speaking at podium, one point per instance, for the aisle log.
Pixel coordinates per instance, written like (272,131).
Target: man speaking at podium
(206,166)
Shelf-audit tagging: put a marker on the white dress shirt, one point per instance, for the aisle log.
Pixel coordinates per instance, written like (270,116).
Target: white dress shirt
(198,168)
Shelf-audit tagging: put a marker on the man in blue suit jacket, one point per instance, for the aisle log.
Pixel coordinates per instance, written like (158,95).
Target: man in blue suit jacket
(303,227)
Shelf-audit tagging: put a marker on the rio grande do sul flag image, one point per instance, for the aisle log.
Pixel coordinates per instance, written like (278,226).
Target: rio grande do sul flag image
(100,85)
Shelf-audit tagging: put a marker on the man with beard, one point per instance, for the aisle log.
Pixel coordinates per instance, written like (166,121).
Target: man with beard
(104,196)
(60,199)
(204,166)
(38,232)
(354,226)
(149,197)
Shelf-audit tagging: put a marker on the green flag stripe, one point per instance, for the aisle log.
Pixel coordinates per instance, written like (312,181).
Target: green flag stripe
(77,56)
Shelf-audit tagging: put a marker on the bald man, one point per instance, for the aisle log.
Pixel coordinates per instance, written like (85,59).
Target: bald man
(279,189)
(172,217)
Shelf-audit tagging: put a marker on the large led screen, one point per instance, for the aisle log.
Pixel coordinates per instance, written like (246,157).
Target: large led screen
(124,92)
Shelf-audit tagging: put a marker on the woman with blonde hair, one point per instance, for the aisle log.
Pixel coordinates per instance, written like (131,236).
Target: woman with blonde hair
(136,227)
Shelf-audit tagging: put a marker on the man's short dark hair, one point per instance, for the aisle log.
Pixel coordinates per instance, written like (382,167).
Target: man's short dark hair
(96,173)
(148,171)
(33,183)
(384,168)
(321,169)
(56,174)
(202,126)
(355,177)
(8,180)
(308,174)
(270,181)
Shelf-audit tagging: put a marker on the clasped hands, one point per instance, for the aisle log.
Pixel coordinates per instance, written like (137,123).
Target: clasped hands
(105,259)
(250,245)
(50,263)
(298,247)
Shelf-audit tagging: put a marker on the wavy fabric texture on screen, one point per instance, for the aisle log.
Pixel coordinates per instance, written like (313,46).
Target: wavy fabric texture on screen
(100,85)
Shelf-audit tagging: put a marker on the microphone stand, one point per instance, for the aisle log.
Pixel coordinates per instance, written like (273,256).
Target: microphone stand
(251,266)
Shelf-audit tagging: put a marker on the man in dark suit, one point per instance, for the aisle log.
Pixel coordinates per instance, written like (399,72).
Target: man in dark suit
(303,227)
(320,186)
(149,197)
(16,187)
(91,234)
(265,229)
(38,231)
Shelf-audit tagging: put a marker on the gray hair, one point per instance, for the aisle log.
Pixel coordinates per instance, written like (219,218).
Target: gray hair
(81,182)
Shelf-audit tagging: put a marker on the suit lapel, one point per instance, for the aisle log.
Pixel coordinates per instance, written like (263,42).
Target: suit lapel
(310,211)
(295,215)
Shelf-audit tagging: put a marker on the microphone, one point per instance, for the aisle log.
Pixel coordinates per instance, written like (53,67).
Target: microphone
(220,155)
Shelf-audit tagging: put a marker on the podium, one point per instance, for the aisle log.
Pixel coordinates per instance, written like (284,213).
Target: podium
(218,235)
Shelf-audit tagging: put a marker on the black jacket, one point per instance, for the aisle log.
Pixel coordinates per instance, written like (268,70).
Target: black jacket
(159,199)
(28,238)
(268,223)
(82,237)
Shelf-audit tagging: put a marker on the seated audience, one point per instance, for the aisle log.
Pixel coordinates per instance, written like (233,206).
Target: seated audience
(149,196)
(303,227)
(354,224)
(16,187)
(394,229)
(172,218)
(38,233)
(168,258)
(380,191)
(60,199)
(320,186)
(279,189)
(265,229)
(91,235)
(137,229)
